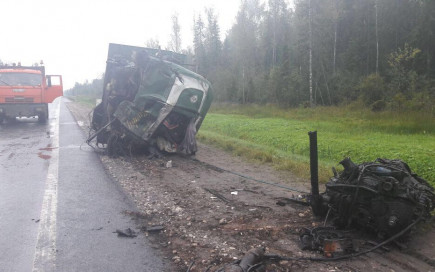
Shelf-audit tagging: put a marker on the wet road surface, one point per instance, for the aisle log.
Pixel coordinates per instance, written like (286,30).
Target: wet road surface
(58,208)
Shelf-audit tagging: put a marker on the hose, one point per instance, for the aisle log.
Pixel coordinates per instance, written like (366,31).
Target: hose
(353,255)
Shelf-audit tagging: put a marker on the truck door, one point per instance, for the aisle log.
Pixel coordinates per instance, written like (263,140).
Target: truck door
(53,88)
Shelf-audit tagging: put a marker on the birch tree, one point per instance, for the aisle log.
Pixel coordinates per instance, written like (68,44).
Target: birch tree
(377,38)
(310,49)
(175,42)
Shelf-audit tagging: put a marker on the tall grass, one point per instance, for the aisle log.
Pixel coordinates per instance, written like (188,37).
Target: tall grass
(280,136)
(363,119)
(85,100)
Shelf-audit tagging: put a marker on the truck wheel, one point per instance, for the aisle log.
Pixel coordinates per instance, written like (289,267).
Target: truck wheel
(42,118)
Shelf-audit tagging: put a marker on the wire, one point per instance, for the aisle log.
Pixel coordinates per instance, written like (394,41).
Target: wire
(253,179)
(190,266)
(255,266)
(327,216)
(208,268)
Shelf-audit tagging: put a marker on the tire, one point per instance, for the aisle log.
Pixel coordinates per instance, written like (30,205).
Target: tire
(42,118)
(113,145)
(10,119)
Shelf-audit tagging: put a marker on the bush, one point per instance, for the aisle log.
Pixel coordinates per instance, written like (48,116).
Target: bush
(398,102)
(379,105)
(371,89)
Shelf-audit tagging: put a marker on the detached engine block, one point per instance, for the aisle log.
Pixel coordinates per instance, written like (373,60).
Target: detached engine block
(382,196)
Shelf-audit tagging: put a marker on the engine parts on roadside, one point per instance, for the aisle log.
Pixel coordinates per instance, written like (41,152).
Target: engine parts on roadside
(329,240)
(337,247)
(252,261)
(383,197)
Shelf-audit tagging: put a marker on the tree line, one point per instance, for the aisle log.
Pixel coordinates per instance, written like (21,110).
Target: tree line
(318,52)
(322,52)
(92,89)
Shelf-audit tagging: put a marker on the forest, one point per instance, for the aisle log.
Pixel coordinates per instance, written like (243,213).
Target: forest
(380,54)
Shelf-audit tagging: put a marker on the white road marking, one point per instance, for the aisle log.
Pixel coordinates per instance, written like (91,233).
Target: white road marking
(45,251)
(74,146)
(80,123)
(68,123)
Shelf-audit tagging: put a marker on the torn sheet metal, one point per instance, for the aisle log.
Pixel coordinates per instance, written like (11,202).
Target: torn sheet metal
(149,99)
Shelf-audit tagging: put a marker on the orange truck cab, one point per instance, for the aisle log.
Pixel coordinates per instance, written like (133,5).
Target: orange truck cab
(25,91)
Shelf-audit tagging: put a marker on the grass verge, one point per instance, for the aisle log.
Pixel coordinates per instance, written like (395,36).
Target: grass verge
(87,101)
(279,137)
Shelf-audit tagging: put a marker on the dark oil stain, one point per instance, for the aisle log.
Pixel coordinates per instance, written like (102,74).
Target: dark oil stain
(25,138)
(11,156)
(43,156)
(48,148)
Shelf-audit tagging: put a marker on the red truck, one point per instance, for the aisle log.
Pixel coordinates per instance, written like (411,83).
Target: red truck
(25,91)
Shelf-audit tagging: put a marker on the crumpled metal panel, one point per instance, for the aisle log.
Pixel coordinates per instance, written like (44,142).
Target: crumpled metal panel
(152,98)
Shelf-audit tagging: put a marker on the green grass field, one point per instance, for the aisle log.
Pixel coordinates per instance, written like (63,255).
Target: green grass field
(280,137)
(88,101)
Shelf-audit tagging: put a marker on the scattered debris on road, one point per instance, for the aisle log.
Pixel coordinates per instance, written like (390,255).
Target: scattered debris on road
(202,231)
(156,228)
(126,233)
(252,261)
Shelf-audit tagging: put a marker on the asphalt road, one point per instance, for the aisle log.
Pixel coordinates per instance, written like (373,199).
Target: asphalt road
(58,207)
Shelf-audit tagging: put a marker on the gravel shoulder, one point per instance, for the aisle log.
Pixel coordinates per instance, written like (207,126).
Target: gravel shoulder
(212,208)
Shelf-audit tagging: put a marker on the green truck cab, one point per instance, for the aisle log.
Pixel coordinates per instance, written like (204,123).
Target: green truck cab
(149,99)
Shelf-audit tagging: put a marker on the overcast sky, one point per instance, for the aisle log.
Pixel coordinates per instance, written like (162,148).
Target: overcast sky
(72,37)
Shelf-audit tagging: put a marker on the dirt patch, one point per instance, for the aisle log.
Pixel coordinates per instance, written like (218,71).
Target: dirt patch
(212,208)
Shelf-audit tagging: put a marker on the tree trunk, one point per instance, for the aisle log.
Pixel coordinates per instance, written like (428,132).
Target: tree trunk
(274,40)
(243,84)
(327,87)
(377,38)
(335,49)
(310,48)
(367,28)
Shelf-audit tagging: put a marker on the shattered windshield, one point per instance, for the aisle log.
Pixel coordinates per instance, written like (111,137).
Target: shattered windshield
(20,79)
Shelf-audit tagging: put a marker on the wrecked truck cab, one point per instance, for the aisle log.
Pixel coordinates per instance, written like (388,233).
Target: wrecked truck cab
(148,99)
